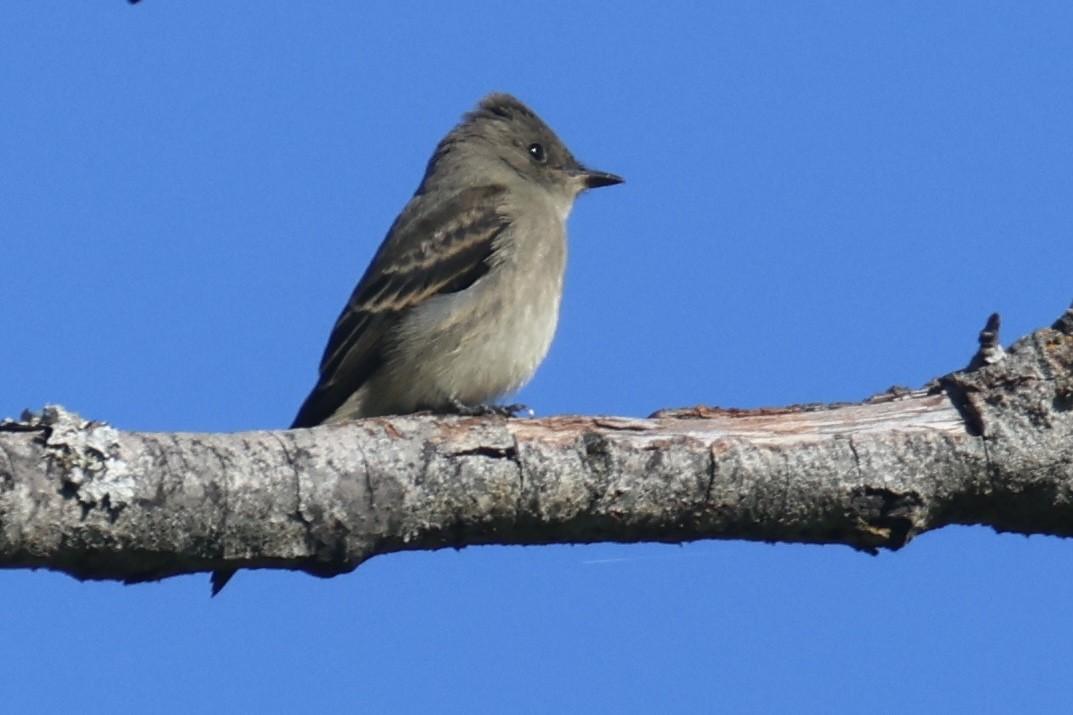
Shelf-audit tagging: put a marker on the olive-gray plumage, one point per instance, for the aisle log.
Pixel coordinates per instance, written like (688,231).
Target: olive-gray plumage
(461,301)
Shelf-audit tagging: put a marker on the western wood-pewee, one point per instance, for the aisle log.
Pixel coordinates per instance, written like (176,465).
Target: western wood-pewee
(460,302)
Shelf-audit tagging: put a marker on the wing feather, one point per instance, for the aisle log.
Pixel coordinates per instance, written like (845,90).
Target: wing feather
(430,250)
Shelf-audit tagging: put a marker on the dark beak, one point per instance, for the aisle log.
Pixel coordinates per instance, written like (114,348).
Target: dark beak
(595,179)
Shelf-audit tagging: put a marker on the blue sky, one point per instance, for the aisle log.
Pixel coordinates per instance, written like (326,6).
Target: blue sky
(822,200)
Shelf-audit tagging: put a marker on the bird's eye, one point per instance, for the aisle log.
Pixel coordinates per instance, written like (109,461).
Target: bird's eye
(536,150)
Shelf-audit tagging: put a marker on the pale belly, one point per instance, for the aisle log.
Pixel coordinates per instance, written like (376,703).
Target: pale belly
(476,345)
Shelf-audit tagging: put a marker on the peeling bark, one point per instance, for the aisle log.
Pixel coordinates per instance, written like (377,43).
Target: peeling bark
(991,445)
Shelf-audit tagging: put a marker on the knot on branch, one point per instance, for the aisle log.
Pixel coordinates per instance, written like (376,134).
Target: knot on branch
(886,518)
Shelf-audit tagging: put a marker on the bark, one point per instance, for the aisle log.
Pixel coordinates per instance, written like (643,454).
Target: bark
(990,445)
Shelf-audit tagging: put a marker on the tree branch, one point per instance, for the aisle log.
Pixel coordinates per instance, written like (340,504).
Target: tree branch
(991,445)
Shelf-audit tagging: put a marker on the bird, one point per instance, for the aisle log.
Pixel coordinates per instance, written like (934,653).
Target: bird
(460,302)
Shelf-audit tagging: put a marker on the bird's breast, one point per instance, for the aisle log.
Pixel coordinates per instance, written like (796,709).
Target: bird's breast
(487,340)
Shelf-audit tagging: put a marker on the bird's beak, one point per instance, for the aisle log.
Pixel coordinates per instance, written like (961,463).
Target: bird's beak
(595,179)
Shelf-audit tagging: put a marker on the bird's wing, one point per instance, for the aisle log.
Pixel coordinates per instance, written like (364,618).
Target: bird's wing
(430,249)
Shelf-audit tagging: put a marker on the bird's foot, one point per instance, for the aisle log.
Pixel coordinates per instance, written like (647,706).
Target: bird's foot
(457,407)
